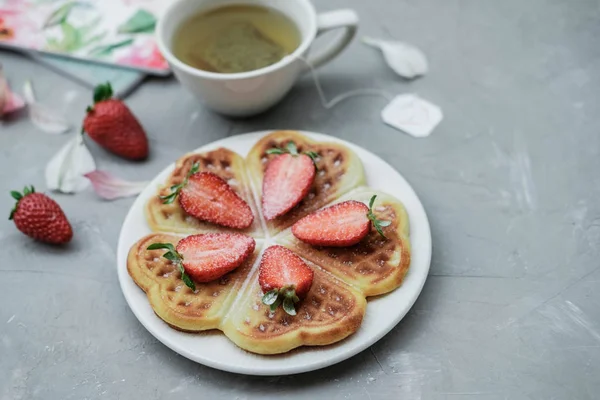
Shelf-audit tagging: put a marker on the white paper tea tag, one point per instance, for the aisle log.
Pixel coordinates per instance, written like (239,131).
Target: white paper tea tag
(413,115)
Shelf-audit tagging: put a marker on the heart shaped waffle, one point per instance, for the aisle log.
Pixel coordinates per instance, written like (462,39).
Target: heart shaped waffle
(226,164)
(343,279)
(339,171)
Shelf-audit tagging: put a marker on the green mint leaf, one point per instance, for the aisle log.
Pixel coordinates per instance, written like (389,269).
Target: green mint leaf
(140,22)
(288,306)
(188,281)
(372,201)
(16,195)
(172,256)
(270,297)
(194,169)
(313,156)
(158,246)
(276,150)
(177,188)
(12,213)
(185,278)
(168,199)
(292,149)
(378,227)
(377,224)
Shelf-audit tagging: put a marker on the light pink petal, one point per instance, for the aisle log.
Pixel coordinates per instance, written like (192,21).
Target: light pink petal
(14,102)
(9,101)
(110,187)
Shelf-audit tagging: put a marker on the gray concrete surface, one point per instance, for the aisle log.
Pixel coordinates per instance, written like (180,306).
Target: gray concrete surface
(510,180)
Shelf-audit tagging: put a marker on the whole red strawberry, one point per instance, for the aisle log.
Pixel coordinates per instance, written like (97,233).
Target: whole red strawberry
(284,278)
(111,124)
(40,217)
(288,179)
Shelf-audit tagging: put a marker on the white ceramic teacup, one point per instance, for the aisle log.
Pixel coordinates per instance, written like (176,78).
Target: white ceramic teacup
(248,93)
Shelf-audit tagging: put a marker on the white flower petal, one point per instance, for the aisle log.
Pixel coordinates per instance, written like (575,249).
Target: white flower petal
(405,59)
(110,187)
(42,116)
(65,171)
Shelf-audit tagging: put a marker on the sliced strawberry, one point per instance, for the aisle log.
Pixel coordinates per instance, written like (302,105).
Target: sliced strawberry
(343,224)
(207,257)
(340,225)
(210,256)
(209,198)
(283,277)
(287,181)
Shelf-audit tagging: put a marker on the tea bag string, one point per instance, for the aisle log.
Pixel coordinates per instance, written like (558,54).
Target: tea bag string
(343,96)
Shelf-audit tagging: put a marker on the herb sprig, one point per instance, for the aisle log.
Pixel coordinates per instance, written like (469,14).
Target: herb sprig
(378,224)
(176,189)
(175,257)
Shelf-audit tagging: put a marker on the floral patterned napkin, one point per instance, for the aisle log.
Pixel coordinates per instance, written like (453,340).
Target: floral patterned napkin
(118,32)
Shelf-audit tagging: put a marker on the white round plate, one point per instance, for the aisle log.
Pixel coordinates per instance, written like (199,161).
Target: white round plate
(215,350)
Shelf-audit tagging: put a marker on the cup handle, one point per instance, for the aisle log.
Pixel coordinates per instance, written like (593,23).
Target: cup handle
(347,19)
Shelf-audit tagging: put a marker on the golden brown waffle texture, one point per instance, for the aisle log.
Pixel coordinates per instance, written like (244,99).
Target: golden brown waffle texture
(344,277)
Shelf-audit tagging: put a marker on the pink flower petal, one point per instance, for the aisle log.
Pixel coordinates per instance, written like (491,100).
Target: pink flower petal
(14,102)
(110,187)
(9,101)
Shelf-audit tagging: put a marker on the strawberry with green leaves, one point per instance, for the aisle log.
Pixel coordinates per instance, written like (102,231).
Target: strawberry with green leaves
(111,124)
(340,225)
(40,217)
(207,197)
(288,179)
(284,278)
(207,257)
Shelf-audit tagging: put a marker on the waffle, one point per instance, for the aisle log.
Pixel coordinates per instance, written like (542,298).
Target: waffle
(344,277)
(172,218)
(340,170)
(171,299)
(375,265)
(331,311)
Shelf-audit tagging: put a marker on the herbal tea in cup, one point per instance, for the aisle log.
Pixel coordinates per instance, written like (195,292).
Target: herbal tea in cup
(235,39)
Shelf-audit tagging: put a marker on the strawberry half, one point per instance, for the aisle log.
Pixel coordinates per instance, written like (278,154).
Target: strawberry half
(111,124)
(287,180)
(209,256)
(340,225)
(210,198)
(284,278)
(207,197)
(40,217)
